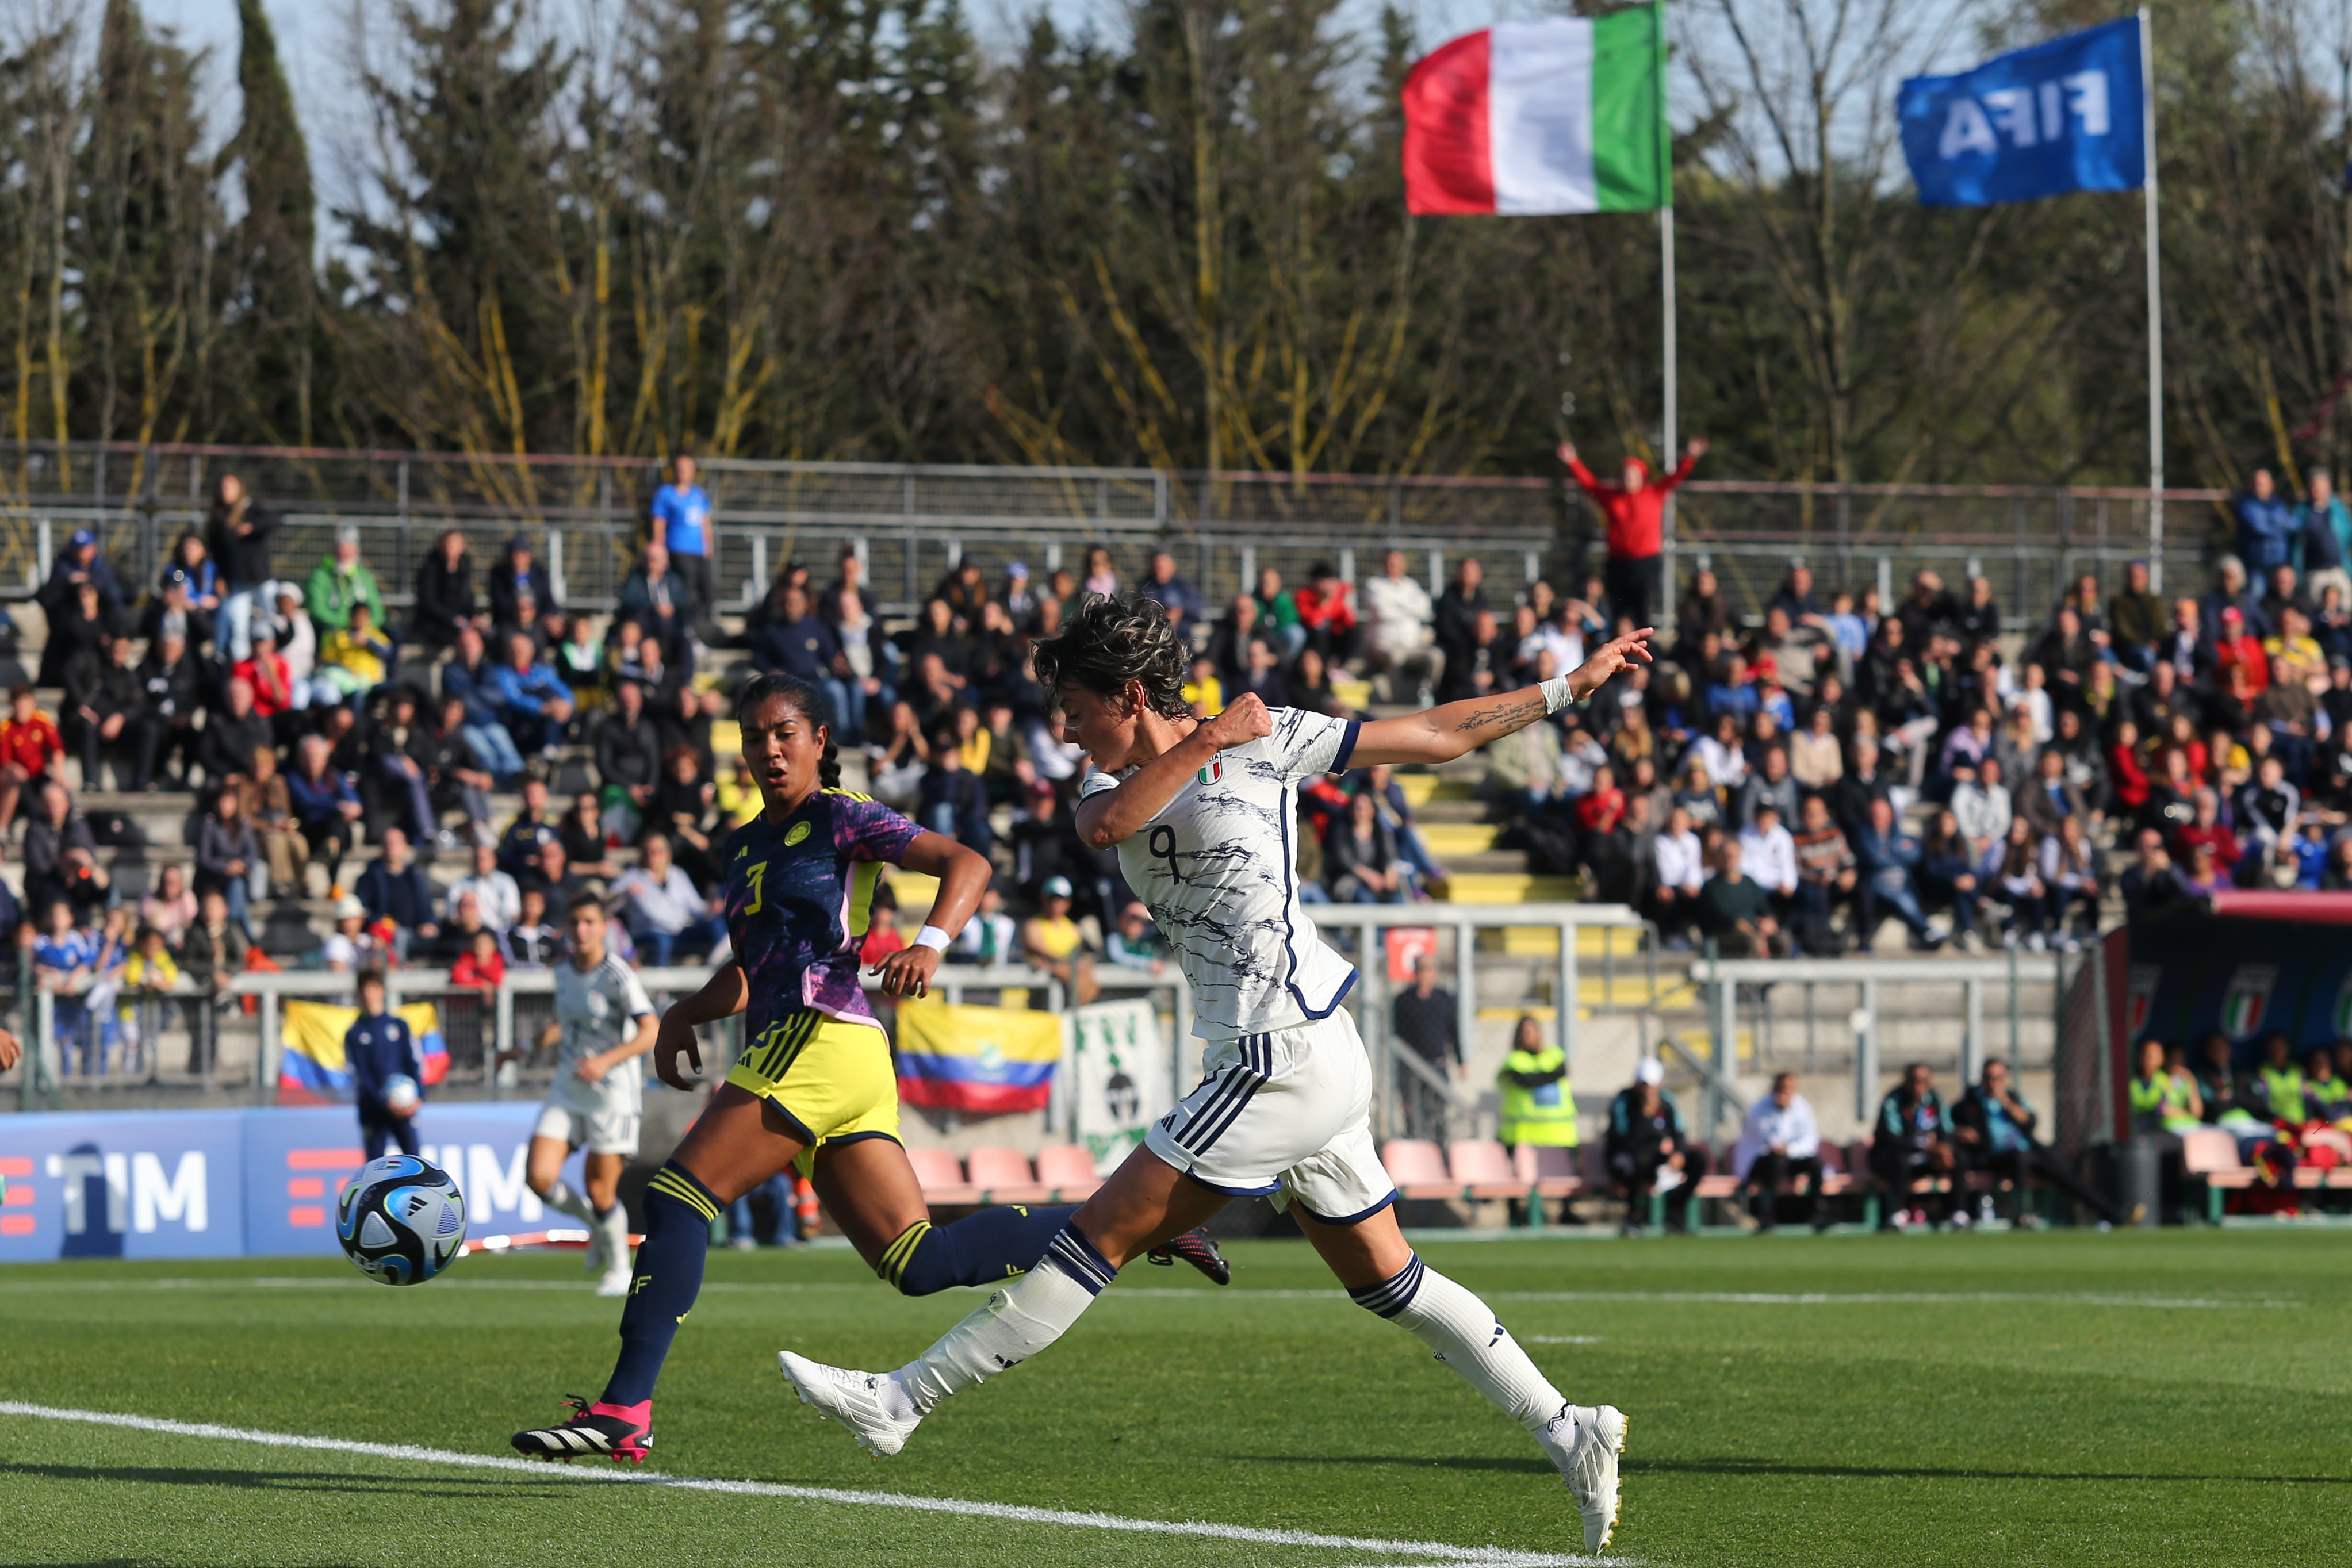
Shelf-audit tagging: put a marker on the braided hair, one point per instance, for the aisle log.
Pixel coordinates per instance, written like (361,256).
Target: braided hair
(812,709)
(1105,643)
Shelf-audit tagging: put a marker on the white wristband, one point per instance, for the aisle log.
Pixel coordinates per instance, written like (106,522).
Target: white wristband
(1557,695)
(931,936)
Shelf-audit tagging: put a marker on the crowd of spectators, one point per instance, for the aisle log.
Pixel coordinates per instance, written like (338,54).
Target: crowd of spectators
(1755,788)
(1759,785)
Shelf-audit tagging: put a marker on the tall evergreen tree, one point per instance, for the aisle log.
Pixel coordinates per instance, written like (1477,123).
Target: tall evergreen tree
(276,242)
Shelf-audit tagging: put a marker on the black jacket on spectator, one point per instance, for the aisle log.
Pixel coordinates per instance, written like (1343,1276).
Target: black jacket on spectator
(244,557)
(57,595)
(677,727)
(627,754)
(226,743)
(507,587)
(641,598)
(170,693)
(72,633)
(404,896)
(221,843)
(443,597)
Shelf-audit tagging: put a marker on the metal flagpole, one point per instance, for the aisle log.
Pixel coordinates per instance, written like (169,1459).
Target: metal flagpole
(1667,457)
(2154,314)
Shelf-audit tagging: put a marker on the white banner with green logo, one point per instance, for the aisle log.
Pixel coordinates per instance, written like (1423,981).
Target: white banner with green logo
(1124,1078)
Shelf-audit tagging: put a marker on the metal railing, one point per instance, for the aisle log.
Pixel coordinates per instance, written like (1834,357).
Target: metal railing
(1721,980)
(911,523)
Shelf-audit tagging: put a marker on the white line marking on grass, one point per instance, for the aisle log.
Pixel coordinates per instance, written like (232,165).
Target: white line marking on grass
(1496,1556)
(1562,1338)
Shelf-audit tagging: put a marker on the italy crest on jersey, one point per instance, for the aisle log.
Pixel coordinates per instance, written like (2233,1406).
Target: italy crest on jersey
(2247,1002)
(1212,772)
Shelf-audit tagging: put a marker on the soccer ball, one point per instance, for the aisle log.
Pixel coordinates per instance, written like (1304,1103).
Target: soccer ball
(401,1221)
(401,1094)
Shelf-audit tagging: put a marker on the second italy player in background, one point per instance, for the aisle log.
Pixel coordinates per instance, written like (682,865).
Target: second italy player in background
(814,1087)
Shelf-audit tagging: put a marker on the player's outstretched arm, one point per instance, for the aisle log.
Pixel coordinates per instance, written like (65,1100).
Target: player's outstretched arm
(1108,818)
(1443,734)
(963,877)
(724,995)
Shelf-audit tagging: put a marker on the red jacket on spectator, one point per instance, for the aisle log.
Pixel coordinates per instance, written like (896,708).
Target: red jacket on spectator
(470,970)
(31,746)
(2224,843)
(1636,518)
(273,690)
(2130,778)
(1599,810)
(2244,651)
(1336,613)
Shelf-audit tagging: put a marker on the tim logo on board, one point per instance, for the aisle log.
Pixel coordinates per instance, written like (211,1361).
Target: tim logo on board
(2246,1005)
(2067,115)
(153,1184)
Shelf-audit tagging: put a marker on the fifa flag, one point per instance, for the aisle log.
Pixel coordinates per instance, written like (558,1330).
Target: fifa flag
(982,1062)
(311,1070)
(1564,115)
(2068,115)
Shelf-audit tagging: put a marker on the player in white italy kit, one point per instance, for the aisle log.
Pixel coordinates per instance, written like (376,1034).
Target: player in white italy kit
(1202,815)
(605,1024)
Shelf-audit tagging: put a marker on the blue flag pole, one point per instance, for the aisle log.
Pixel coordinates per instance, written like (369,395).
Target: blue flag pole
(2154,314)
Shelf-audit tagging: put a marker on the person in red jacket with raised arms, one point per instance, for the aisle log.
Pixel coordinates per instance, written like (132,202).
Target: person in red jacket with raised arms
(1635,507)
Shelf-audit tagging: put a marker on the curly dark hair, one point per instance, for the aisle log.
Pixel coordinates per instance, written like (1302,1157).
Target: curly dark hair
(1105,643)
(813,708)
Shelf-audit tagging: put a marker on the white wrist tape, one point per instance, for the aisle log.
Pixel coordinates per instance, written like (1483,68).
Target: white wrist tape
(931,936)
(1557,695)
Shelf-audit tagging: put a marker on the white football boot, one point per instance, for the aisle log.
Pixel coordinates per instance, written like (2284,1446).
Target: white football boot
(867,1403)
(1590,1465)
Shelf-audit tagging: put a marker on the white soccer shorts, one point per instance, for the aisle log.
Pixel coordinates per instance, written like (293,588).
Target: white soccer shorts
(600,1131)
(1285,1116)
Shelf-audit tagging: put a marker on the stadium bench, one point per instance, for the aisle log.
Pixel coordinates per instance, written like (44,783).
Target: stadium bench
(1483,1171)
(941,1174)
(1003,1175)
(1548,1172)
(2210,1156)
(1418,1170)
(1873,1191)
(1069,1171)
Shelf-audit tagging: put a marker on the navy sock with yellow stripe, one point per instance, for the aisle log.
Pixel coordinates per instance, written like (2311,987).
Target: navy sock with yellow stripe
(666,1280)
(983,1249)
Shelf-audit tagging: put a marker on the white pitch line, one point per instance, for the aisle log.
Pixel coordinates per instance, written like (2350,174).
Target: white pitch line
(1496,1556)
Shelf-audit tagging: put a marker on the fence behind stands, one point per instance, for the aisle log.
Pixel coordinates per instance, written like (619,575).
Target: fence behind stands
(911,522)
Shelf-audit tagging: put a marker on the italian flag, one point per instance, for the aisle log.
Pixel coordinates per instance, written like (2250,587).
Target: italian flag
(1565,115)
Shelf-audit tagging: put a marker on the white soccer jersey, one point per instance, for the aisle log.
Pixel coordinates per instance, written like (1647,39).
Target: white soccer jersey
(1218,867)
(597,1010)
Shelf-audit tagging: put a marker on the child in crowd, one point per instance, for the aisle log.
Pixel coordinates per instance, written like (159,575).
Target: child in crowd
(64,965)
(535,944)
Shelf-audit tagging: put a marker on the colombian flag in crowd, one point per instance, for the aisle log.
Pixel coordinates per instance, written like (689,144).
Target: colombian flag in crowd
(982,1062)
(311,1070)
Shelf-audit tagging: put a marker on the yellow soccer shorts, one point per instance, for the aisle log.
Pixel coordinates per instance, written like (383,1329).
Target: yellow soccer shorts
(830,1078)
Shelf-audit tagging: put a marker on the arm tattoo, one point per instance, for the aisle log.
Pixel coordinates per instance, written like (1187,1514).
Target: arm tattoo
(1507,717)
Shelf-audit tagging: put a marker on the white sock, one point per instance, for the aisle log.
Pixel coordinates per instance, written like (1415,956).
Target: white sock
(1467,1336)
(1018,1321)
(615,1223)
(561,1198)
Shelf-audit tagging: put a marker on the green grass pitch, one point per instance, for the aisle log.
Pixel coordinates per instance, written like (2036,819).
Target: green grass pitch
(2137,1399)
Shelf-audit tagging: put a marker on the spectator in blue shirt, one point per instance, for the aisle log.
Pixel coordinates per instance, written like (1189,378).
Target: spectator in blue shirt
(530,699)
(1993,1127)
(2267,527)
(1889,859)
(798,643)
(325,805)
(378,1048)
(395,888)
(2325,547)
(681,518)
(472,679)
(1177,597)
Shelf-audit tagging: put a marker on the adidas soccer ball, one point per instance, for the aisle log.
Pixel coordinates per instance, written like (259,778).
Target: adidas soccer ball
(401,1094)
(401,1221)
